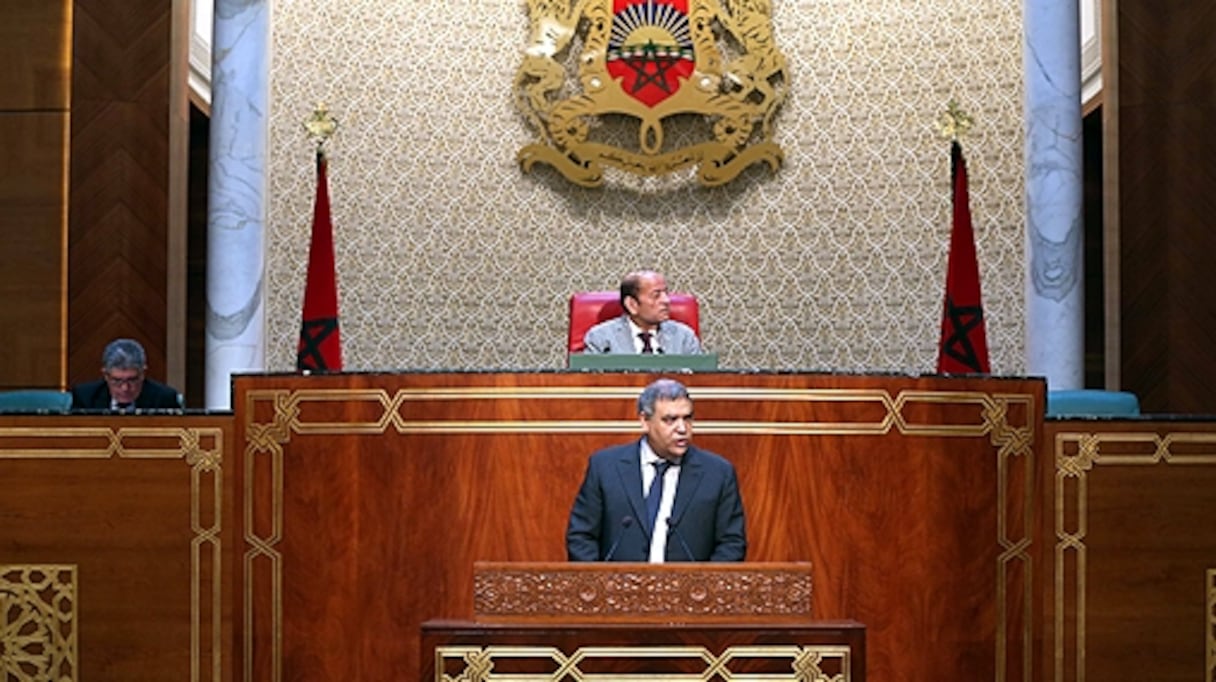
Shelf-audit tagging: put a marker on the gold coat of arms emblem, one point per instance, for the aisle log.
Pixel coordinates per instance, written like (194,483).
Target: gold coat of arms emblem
(651,87)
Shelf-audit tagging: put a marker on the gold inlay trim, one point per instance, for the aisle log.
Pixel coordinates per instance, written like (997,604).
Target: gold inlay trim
(287,406)
(38,623)
(1076,454)
(202,450)
(806,663)
(990,417)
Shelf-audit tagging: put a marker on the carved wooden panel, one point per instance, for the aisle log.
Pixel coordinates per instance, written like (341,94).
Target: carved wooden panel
(642,592)
(828,651)
(38,628)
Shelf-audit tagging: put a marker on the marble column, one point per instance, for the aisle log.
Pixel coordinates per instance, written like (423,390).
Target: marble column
(1055,302)
(236,210)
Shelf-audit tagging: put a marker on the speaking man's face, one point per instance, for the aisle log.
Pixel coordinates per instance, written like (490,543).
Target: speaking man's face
(669,429)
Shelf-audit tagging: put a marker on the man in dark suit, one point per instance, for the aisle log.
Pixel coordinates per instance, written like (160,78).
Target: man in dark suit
(658,499)
(123,385)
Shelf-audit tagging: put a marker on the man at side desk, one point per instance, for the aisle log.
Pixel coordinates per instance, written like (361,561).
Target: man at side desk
(659,498)
(646,326)
(123,385)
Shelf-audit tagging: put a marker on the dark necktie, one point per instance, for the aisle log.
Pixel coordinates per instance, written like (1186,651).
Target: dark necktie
(656,492)
(646,347)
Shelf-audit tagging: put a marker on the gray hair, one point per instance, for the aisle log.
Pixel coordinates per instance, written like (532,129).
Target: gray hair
(124,354)
(661,389)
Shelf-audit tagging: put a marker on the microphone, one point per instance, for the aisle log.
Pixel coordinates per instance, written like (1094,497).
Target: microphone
(673,528)
(625,524)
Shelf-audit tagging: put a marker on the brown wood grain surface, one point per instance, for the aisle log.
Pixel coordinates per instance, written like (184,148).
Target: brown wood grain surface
(393,485)
(143,509)
(1129,550)
(1164,99)
(118,190)
(34,115)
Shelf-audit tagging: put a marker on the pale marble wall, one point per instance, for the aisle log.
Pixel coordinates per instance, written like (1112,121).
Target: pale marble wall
(450,257)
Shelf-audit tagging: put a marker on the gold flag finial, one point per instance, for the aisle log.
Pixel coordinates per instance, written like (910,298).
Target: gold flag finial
(954,122)
(320,125)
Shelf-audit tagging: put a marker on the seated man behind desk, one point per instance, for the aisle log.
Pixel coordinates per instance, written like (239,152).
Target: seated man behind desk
(659,498)
(646,326)
(123,385)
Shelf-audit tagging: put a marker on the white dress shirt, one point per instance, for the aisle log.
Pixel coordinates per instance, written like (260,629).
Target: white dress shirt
(658,539)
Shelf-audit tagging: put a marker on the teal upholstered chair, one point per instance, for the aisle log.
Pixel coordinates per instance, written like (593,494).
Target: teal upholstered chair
(35,400)
(1092,403)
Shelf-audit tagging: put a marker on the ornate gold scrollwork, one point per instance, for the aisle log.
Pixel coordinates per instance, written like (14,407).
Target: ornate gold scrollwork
(652,88)
(38,627)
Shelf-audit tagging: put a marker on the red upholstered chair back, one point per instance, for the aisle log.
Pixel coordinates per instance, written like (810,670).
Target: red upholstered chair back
(589,308)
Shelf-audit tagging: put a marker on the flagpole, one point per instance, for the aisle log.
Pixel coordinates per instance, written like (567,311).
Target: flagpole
(963,348)
(320,346)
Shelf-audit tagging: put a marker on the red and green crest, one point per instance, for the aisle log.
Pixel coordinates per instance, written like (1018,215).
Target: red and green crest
(651,87)
(650,49)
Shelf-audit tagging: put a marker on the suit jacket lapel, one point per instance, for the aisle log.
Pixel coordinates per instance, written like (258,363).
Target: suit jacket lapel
(625,335)
(665,337)
(630,469)
(690,477)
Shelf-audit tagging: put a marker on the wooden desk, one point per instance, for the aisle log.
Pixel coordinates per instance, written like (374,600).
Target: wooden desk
(117,546)
(1129,558)
(369,497)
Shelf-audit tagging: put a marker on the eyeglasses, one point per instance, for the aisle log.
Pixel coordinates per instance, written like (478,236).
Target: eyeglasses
(125,381)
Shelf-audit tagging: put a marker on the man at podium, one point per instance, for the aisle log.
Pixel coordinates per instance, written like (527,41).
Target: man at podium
(659,498)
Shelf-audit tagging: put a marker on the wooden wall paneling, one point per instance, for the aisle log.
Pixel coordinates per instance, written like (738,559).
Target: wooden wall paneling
(196,262)
(34,42)
(35,38)
(1165,102)
(178,197)
(32,264)
(120,181)
(1112,220)
(141,509)
(371,496)
(1127,511)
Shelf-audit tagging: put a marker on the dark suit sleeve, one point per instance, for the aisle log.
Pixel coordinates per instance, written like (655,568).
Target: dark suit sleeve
(78,398)
(90,396)
(157,396)
(584,531)
(730,543)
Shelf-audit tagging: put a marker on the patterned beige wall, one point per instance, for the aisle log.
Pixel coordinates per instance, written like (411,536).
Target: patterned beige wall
(450,257)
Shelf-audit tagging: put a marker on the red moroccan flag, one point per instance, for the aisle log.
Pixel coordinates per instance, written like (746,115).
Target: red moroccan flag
(320,348)
(964,345)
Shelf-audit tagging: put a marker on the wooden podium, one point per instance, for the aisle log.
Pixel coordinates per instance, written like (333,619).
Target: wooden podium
(544,622)
(366,499)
